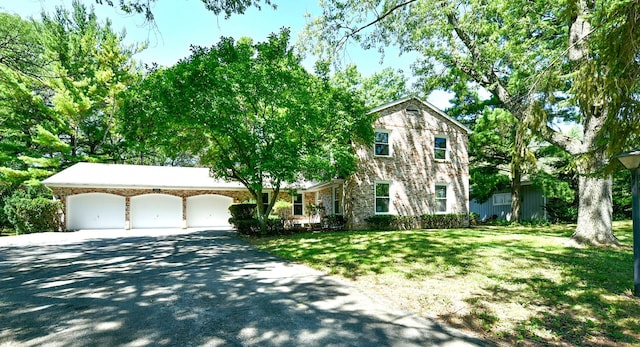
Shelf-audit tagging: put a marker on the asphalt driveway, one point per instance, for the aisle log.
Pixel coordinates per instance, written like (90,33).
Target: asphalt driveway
(186,288)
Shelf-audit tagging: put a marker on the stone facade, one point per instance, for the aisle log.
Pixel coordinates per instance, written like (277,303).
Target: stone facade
(410,169)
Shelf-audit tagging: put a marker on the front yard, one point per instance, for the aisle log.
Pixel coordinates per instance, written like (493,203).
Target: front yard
(515,285)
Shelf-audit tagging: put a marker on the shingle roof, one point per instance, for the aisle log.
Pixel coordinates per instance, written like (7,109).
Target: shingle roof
(137,176)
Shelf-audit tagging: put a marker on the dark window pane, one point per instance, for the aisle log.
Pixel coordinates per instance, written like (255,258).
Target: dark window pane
(382,149)
(382,205)
(297,210)
(382,137)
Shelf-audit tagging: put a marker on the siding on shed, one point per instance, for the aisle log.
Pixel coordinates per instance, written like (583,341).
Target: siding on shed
(532,206)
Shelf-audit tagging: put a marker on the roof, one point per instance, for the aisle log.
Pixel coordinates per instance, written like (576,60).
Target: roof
(426,104)
(83,175)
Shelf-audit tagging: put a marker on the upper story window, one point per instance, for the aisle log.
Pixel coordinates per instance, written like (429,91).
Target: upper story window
(501,199)
(383,198)
(297,205)
(441,198)
(441,148)
(382,144)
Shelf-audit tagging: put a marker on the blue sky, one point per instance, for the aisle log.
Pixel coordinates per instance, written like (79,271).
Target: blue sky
(182,23)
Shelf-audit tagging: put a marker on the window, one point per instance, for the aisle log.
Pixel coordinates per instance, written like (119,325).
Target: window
(382,197)
(297,205)
(382,144)
(501,199)
(441,198)
(441,151)
(265,201)
(336,200)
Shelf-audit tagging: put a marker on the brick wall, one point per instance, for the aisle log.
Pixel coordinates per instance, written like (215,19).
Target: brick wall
(411,169)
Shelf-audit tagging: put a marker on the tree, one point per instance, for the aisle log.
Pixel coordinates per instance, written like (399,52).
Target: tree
(91,67)
(251,113)
(528,55)
(378,89)
(228,7)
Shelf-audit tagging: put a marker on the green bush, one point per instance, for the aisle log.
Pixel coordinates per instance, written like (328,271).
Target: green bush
(381,221)
(335,222)
(243,211)
(444,221)
(561,212)
(33,215)
(31,209)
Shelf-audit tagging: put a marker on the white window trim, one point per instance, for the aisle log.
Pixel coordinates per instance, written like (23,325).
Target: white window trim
(447,156)
(293,205)
(389,143)
(446,199)
(503,203)
(334,196)
(375,196)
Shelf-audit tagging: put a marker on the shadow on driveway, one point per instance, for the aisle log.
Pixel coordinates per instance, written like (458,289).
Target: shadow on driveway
(190,289)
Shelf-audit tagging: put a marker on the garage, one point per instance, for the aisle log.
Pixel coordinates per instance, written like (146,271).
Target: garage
(95,211)
(156,211)
(208,211)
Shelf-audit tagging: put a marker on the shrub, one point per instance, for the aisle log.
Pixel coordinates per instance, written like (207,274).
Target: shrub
(381,221)
(335,222)
(33,215)
(444,221)
(243,211)
(243,219)
(561,212)
(31,209)
(282,209)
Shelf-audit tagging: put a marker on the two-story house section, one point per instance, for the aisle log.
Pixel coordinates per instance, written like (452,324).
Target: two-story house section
(418,164)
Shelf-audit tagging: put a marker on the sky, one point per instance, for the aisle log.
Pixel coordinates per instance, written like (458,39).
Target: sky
(182,23)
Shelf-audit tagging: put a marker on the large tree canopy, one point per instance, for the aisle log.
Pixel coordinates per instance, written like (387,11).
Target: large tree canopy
(251,113)
(540,59)
(228,7)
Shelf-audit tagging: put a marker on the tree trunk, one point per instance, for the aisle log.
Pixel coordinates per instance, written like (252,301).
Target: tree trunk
(595,209)
(516,199)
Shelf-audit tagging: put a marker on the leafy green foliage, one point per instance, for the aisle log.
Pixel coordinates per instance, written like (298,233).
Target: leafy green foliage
(228,7)
(91,68)
(251,113)
(427,221)
(444,221)
(378,89)
(31,209)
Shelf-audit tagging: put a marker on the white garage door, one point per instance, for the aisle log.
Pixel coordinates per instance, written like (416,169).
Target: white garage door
(156,211)
(208,211)
(95,211)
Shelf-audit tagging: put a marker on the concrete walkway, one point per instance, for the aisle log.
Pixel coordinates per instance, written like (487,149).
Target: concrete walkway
(186,288)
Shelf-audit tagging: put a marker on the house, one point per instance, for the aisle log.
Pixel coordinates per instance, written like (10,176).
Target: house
(498,206)
(417,165)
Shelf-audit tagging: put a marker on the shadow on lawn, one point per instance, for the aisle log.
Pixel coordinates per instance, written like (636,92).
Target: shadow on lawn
(204,288)
(588,304)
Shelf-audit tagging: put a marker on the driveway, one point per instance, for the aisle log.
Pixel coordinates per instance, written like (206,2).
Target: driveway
(186,288)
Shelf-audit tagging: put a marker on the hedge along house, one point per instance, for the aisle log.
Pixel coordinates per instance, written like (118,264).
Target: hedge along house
(418,165)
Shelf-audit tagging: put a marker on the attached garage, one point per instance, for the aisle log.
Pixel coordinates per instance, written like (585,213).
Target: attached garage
(208,211)
(95,211)
(115,196)
(156,211)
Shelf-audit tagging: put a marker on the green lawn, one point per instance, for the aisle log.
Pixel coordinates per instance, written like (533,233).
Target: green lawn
(519,285)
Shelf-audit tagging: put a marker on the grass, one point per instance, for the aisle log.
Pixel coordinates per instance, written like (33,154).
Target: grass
(515,285)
